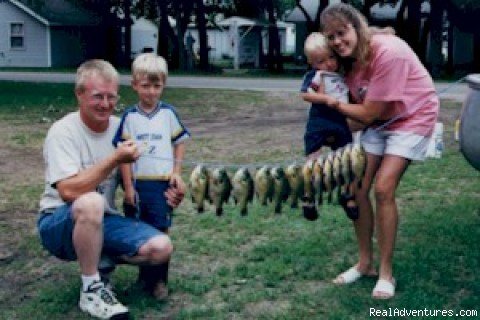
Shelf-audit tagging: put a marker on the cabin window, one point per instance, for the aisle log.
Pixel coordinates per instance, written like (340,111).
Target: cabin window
(17,35)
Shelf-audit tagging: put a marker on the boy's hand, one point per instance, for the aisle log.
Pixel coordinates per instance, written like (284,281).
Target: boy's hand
(176,192)
(129,196)
(177,182)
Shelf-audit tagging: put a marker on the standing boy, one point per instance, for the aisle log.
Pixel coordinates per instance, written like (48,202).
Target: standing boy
(157,130)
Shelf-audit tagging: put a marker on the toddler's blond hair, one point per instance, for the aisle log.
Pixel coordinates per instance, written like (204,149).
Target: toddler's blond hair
(314,42)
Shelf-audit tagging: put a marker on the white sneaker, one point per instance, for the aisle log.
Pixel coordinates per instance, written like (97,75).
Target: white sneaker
(99,301)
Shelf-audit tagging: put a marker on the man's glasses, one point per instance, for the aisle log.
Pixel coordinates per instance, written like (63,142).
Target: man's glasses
(111,98)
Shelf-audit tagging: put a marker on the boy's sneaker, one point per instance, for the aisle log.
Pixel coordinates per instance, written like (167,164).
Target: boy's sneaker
(99,301)
(160,291)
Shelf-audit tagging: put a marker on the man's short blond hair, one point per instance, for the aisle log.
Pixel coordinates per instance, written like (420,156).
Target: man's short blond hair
(150,65)
(95,67)
(314,42)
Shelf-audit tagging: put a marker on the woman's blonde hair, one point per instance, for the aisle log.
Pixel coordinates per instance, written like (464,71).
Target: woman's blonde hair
(347,14)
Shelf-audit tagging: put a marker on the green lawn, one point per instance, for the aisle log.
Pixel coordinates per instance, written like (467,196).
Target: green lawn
(262,266)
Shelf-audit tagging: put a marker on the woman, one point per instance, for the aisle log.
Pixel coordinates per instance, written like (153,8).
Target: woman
(395,99)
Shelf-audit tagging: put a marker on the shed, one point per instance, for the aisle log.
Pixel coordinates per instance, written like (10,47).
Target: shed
(240,38)
(55,34)
(144,36)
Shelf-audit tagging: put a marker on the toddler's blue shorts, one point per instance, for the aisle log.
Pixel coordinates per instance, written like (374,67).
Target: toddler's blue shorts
(320,132)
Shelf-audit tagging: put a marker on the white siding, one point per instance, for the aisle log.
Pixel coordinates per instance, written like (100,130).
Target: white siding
(144,36)
(218,41)
(35,51)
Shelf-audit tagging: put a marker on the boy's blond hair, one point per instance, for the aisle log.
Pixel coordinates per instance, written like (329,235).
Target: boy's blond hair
(94,67)
(314,42)
(150,65)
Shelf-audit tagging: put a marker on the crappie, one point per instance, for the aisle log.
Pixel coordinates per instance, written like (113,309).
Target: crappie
(337,171)
(318,184)
(281,189)
(264,185)
(347,176)
(358,162)
(199,186)
(307,172)
(295,180)
(219,188)
(328,179)
(242,191)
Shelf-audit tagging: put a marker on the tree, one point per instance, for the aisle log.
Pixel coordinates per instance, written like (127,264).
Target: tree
(202,34)
(412,27)
(274,54)
(435,57)
(313,23)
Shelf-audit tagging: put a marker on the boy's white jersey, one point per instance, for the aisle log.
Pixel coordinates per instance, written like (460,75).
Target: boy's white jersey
(155,134)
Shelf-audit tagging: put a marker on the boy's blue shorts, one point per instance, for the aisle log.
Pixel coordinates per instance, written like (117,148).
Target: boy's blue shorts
(154,209)
(121,235)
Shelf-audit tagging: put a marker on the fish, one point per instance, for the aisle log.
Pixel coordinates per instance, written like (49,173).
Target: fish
(358,162)
(328,179)
(281,188)
(318,184)
(199,186)
(242,189)
(307,172)
(264,185)
(219,188)
(337,171)
(345,160)
(295,180)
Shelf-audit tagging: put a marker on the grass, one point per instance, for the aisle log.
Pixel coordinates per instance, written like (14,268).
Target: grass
(262,266)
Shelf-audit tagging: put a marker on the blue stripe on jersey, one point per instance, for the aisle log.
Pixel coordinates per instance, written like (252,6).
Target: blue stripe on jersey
(119,134)
(149,115)
(184,131)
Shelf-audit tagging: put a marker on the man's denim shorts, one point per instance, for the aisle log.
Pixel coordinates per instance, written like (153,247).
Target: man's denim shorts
(121,235)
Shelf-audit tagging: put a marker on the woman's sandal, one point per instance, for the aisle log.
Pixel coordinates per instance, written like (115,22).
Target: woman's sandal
(384,289)
(352,212)
(352,275)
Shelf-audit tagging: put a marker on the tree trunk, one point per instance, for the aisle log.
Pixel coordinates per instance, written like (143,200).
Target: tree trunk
(128,34)
(368,4)
(274,54)
(449,65)
(183,11)
(412,35)
(164,25)
(434,52)
(202,35)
